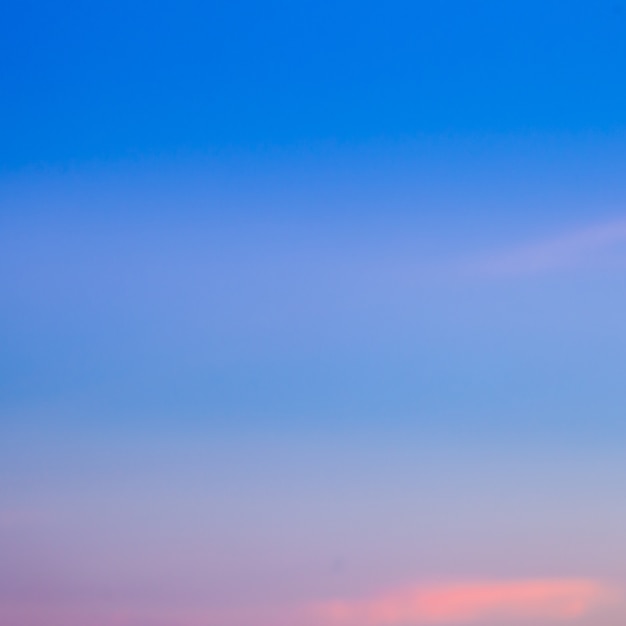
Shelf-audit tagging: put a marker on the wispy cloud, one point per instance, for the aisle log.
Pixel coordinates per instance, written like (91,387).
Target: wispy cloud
(561,252)
(469,603)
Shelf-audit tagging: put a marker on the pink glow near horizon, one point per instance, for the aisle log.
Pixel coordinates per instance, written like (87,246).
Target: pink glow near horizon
(467,603)
(536,601)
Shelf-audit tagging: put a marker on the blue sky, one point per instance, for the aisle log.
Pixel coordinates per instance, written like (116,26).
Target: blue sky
(103,81)
(312,313)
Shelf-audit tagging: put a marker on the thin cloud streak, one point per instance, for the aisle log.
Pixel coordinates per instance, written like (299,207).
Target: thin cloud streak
(563,252)
(470,603)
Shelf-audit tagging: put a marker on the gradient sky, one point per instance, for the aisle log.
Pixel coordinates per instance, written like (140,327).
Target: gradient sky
(312,314)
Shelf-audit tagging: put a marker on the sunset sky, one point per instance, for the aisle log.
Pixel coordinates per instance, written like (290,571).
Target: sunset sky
(312,313)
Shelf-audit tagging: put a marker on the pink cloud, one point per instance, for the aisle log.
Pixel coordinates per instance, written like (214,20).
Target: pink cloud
(468,603)
(497,603)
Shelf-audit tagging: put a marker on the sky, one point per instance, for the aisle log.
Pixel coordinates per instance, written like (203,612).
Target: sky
(312,313)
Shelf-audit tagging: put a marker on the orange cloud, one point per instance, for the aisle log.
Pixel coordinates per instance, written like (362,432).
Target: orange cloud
(467,603)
